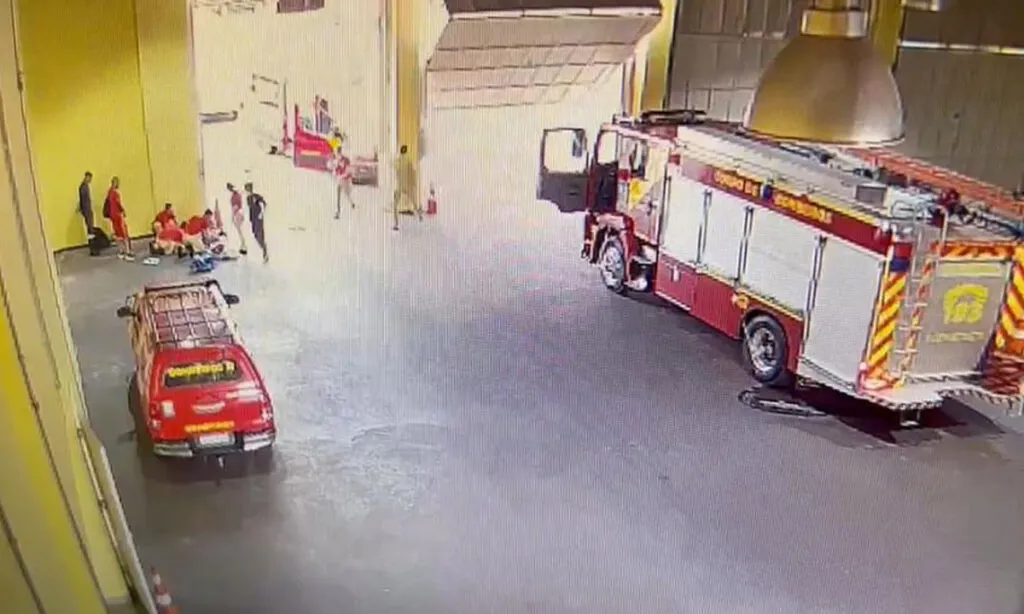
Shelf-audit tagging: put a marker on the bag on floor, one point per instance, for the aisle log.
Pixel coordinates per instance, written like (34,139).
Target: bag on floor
(98,242)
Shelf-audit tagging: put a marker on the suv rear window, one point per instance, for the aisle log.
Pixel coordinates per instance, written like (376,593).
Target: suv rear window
(202,373)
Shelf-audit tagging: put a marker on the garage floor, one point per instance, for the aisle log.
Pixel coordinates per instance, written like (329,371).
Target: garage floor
(470,423)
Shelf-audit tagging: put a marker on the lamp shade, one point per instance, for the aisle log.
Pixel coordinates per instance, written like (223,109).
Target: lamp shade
(830,90)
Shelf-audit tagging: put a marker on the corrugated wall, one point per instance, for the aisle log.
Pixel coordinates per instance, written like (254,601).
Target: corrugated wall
(961,73)
(721,47)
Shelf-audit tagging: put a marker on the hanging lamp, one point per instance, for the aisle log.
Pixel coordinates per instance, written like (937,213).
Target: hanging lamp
(828,84)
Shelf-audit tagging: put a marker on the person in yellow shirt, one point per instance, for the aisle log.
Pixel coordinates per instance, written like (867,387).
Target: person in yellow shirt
(336,140)
(405,188)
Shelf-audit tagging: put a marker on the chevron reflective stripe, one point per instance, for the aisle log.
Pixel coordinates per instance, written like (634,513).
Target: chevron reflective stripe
(1003,374)
(1010,333)
(977,251)
(883,339)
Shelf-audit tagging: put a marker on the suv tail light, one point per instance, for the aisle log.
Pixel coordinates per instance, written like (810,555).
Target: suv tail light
(246,392)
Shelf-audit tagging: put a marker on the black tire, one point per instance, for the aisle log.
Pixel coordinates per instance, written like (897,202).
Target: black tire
(613,252)
(770,369)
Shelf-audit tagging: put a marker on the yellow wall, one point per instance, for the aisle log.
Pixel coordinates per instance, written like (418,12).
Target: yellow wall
(404,20)
(84,102)
(659,48)
(43,371)
(171,116)
(108,89)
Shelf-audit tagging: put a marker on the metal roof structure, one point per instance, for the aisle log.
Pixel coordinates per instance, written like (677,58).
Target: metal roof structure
(492,53)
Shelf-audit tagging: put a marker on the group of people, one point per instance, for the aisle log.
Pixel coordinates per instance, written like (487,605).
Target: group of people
(403,199)
(198,234)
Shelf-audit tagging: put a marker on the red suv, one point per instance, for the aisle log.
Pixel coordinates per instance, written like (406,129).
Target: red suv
(200,391)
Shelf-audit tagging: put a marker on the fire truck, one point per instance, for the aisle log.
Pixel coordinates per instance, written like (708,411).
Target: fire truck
(864,273)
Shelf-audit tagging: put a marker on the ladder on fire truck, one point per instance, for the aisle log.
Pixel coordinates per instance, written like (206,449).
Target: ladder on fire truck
(928,249)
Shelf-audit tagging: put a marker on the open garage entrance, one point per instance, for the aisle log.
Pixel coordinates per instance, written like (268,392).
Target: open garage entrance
(497,78)
(275,82)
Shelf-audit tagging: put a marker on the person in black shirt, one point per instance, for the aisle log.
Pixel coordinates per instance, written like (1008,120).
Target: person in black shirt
(257,209)
(85,204)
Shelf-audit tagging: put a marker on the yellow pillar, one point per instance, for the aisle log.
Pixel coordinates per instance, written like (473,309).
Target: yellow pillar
(404,26)
(653,84)
(170,106)
(886,27)
(57,527)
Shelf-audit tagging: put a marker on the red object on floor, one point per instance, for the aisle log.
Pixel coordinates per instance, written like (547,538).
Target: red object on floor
(164,603)
(432,202)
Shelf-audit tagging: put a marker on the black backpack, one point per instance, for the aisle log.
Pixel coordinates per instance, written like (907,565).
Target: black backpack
(106,207)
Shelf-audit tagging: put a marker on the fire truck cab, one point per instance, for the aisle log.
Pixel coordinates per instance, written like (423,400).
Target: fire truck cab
(827,266)
(200,392)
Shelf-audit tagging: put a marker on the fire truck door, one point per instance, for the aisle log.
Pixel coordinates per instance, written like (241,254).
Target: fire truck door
(564,163)
(646,187)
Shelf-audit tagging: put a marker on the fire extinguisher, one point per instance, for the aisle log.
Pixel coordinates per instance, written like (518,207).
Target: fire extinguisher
(432,201)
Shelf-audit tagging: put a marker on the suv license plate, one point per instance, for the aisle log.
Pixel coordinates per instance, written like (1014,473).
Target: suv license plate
(215,439)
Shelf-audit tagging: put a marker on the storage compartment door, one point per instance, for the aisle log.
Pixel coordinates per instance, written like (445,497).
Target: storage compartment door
(844,306)
(723,234)
(683,217)
(780,256)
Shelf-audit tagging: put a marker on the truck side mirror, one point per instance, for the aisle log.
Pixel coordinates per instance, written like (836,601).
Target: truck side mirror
(125,311)
(231,299)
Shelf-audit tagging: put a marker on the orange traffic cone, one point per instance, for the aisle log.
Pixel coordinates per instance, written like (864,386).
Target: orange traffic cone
(432,201)
(164,604)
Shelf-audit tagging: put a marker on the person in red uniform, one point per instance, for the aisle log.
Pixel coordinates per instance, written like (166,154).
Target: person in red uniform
(238,217)
(342,168)
(200,225)
(167,236)
(166,215)
(113,210)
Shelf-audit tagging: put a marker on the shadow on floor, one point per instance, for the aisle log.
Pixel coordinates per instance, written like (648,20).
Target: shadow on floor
(879,426)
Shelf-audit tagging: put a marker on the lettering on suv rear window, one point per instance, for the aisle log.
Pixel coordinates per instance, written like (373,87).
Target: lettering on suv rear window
(202,373)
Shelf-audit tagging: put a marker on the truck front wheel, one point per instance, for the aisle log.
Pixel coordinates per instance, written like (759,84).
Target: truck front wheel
(613,265)
(766,351)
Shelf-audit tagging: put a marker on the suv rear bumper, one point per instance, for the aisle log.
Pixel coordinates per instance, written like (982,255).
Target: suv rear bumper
(189,448)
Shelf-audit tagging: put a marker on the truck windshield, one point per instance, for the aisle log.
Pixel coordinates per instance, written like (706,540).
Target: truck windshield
(202,373)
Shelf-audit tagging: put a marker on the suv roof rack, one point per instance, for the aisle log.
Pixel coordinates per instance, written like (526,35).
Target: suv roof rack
(186,316)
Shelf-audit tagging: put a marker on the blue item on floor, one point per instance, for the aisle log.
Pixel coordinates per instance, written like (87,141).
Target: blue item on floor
(202,263)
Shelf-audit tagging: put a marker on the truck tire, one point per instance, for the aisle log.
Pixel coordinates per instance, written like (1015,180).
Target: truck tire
(766,351)
(612,265)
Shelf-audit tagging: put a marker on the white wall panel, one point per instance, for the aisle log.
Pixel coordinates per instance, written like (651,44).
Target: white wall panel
(963,111)
(962,103)
(721,48)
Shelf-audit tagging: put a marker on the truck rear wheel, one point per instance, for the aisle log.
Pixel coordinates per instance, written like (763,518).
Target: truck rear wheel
(766,351)
(612,264)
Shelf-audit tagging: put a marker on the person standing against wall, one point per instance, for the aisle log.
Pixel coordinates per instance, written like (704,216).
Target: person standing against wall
(238,218)
(85,205)
(113,210)
(257,210)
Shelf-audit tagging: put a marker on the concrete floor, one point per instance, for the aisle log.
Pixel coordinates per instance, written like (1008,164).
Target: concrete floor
(470,423)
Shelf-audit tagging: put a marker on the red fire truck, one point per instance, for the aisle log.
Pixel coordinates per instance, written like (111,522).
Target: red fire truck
(828,267)
(199,390)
